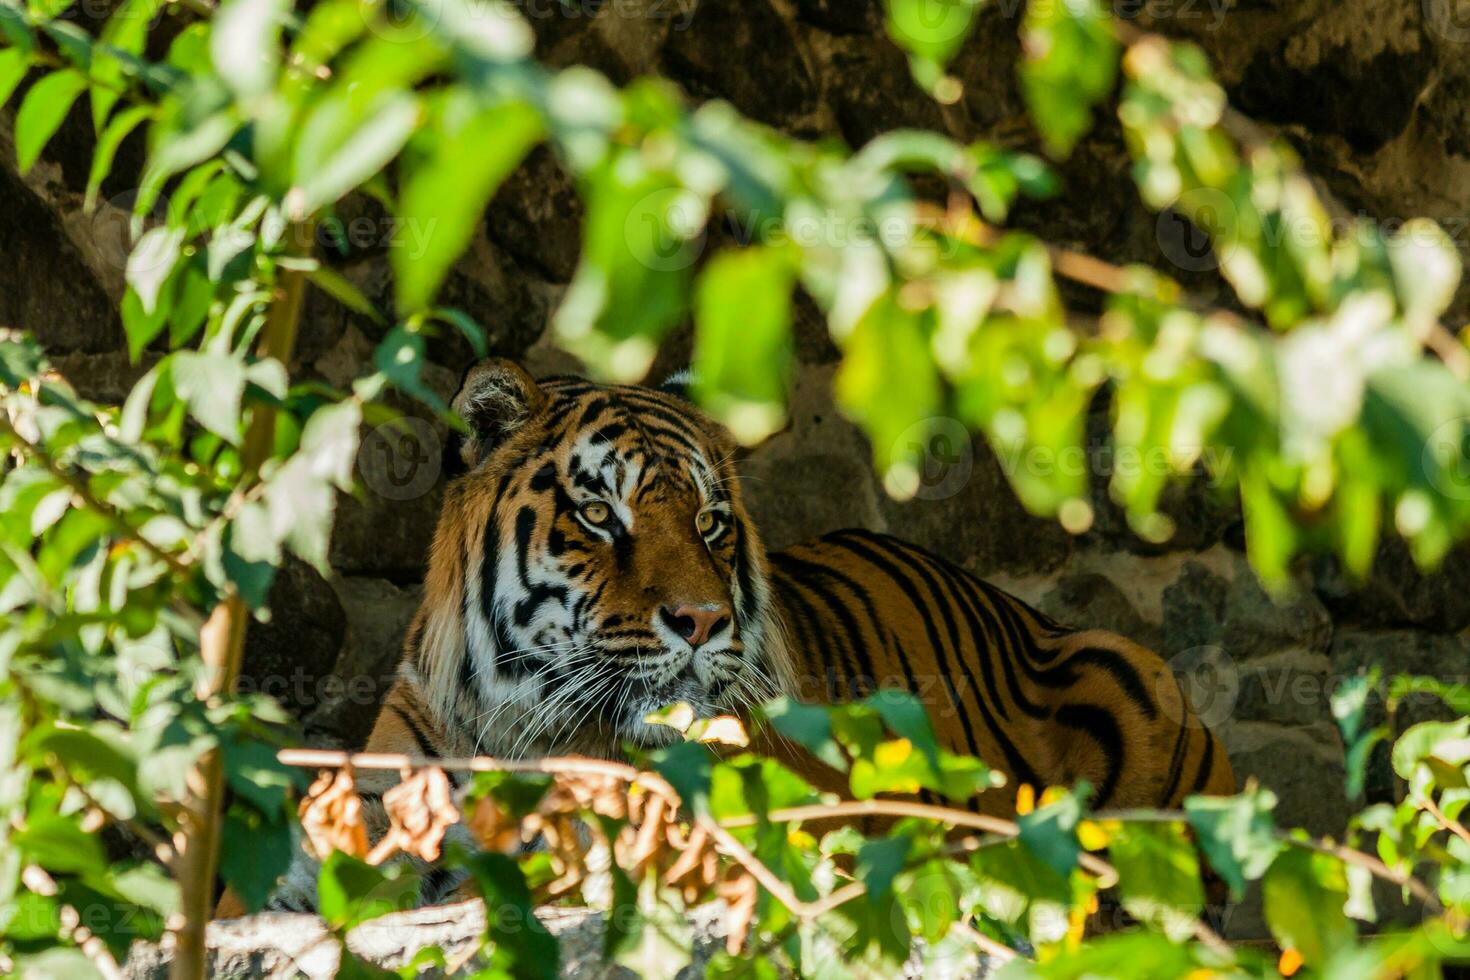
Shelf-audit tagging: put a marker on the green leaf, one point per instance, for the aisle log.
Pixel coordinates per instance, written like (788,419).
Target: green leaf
(351,892)
(1136,955)
(1158,876)
(148,886)
(660,941)
(1304,893)
(888,384)
(931,894)
(107,145)
(14,28)
(59,845)
(211,385)
(687,766)
(742,344)
(1071,60)
(329,442)
(1349,706)
(245,44)
(640,241)
(365,152)
(1431,741)
(905,716)
(470,151)
(879,862)
(255,852)
(400,357)
(42,111)
(59,961)
(255,775)
(151,262)
(1236,833)
(1050,832)
(13,67)
(141,328)
(125,34)
(335,285)
(810,726)
(523,948)
(1426,269)
(1016,886)
(931,29)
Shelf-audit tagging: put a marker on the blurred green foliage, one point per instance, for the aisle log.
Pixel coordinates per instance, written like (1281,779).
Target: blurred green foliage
(123,527)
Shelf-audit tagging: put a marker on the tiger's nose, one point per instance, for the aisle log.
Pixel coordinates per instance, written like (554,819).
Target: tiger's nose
(696,623)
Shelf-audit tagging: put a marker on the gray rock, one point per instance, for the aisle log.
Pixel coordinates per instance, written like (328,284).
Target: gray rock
(1205,608)
(536,216)
(1293,688)
(977,522)
(45,286)
(1303,766)
(769,80)
(1091,600)
(1397,594)
(291,657)
(378,615)
(287,947)
(387,535)
(873,91)
(842,16)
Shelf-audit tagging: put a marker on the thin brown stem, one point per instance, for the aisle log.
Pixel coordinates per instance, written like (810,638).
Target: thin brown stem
(1448,823)
(923,811)
(221,646)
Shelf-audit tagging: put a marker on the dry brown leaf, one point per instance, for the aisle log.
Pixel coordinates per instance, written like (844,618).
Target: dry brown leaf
(420,810)
(331,815)
(493,828)
(739,892)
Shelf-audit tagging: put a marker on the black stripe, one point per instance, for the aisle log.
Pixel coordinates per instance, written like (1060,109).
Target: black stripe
(1176,762)
(1111,662)
(991,638)
(812,570)
(745,565)
(865,543)
(1207,765)
(1102,727)
(425,748)
(862,661)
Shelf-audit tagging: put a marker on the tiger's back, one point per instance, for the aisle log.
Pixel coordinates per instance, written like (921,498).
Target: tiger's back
(1046,704)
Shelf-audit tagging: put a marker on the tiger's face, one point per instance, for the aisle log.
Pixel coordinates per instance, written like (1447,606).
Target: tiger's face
(608,566)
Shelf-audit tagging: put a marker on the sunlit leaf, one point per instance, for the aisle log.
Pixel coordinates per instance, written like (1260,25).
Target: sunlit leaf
(42,111)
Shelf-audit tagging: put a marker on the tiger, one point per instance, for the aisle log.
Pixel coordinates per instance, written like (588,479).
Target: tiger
(594,561)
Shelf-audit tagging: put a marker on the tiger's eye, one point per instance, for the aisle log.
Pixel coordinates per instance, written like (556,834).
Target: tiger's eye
(705,522)
(596,512)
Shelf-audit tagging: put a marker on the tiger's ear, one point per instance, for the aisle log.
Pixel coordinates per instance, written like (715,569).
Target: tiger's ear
(496,399)
(678,384)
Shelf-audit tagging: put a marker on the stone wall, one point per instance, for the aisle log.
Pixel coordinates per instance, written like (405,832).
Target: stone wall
(1372,94)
